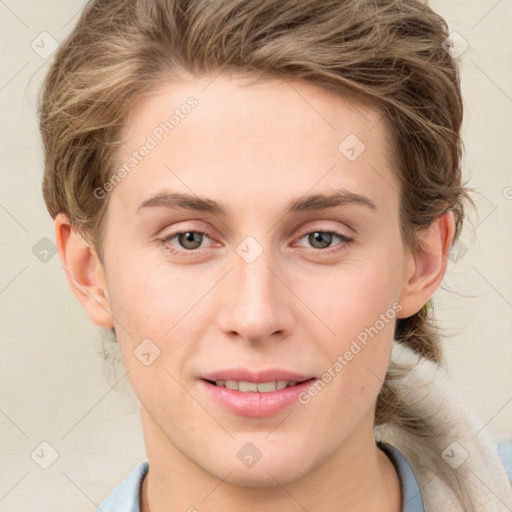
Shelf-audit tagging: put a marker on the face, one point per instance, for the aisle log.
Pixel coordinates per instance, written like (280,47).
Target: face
(255,271)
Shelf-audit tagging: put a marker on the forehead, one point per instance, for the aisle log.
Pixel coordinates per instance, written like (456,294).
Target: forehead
(266,138)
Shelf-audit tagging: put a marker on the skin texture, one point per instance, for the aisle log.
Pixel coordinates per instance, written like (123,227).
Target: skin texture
(254,147)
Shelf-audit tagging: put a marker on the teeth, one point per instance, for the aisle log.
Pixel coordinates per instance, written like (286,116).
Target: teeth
(259,387)
(231,384)
(246,386)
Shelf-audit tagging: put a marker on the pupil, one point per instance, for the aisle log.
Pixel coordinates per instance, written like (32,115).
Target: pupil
(190,239)
(317,236)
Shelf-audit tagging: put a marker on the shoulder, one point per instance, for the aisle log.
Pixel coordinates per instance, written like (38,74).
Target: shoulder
(505,453)
(126,496)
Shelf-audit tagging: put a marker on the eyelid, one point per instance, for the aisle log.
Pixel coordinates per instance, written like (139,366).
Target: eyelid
(312,228)
(321,226)
(175,250)
(183,231)
(345,240)
(185,227)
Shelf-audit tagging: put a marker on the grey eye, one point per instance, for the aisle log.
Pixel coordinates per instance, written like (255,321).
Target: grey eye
(320,239)
(190,239)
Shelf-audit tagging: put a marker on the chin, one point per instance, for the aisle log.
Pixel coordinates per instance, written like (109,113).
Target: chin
(276,470)
(263,477)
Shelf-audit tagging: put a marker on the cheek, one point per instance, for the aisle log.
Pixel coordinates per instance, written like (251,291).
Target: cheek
(353,298)
(359,306)
(150,299)
(161,315)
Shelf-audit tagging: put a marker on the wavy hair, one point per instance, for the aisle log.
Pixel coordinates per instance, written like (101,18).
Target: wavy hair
(387,54)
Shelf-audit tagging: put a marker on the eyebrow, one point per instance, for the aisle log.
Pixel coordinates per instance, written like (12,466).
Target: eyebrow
(313,202)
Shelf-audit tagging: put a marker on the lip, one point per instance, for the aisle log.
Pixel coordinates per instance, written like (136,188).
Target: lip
(254,404)
(268,375)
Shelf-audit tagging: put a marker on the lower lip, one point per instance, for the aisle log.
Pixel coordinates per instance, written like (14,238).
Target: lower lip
(256,404)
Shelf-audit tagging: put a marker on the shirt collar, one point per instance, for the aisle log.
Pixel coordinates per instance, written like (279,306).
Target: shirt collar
(126,496)
(411,493)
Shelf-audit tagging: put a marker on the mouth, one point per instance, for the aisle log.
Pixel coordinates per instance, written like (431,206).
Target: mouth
(254,399)
(257,387)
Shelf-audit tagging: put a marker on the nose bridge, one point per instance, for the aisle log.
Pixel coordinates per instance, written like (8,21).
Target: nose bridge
(255,283)
(256,306)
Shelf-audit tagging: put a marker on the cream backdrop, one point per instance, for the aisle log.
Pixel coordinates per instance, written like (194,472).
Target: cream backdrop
(62,406)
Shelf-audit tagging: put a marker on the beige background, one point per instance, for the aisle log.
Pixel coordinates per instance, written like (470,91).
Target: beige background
(55,386)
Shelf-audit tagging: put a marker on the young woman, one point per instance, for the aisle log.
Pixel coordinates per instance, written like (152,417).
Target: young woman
(259,198)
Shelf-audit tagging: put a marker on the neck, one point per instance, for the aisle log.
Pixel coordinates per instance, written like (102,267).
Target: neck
(357,477)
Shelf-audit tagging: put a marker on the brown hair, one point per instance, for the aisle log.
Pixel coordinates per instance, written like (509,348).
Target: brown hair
(385,53)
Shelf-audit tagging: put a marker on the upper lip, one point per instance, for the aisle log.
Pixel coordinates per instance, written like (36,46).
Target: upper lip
(267,375)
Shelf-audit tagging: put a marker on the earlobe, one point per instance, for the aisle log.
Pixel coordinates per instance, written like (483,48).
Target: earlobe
(84,272)
(425,268)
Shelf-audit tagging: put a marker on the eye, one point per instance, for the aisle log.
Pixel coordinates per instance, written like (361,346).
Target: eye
(188,241)
(321,240)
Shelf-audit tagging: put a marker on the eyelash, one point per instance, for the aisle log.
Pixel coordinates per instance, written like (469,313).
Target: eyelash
(327,251)
(186,253)
(345,240)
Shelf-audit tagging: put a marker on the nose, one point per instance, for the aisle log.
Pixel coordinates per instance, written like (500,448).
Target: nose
(255,302)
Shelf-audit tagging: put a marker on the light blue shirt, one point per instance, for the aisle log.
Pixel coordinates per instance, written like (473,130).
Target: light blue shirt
(412,499)
(126,496)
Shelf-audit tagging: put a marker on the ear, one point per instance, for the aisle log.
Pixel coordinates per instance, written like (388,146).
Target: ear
(84,271)
(424,268)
